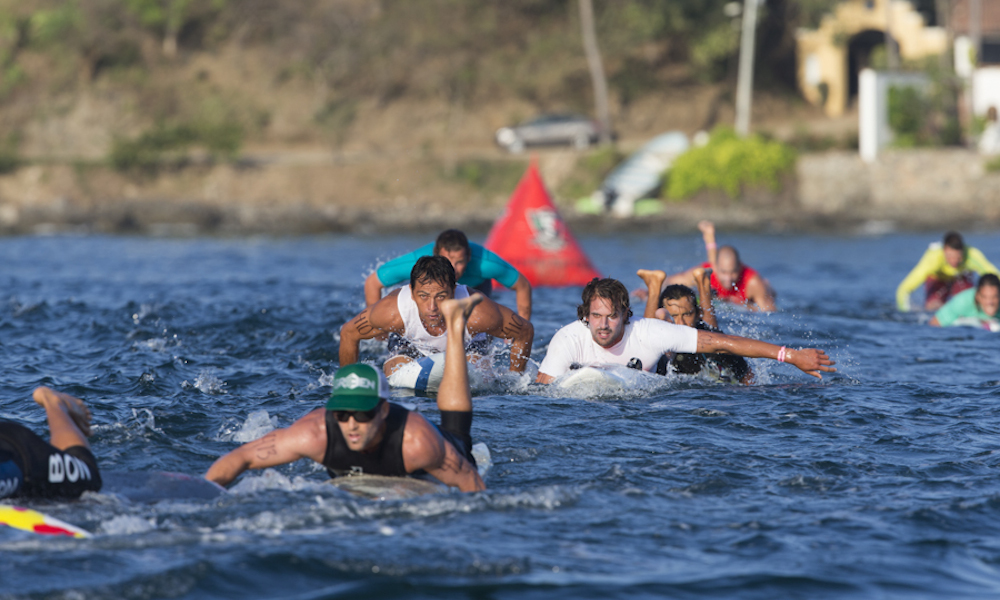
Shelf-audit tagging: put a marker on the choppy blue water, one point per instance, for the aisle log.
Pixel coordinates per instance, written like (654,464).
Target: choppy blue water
(878,482)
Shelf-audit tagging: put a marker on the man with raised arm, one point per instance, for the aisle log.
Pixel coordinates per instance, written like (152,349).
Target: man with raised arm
(63,467)
(603,335)
(475,267)
(732,281)
(678,304)
(360,431)
(945,269)
(411,317)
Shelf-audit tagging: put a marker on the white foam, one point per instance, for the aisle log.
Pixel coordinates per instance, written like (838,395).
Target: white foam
(484,460)
(208,383)
(257,425)
(128,525)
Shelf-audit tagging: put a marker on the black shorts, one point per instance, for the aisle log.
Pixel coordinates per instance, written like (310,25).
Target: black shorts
(44,470)
(456,429)
(400,346)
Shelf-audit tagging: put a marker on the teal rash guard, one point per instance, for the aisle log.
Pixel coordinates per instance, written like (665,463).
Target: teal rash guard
(483,266)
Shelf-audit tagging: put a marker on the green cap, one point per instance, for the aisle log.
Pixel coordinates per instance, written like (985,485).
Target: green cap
(358,387)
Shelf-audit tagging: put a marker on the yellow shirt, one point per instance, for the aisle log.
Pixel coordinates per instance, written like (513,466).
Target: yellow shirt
(933,264)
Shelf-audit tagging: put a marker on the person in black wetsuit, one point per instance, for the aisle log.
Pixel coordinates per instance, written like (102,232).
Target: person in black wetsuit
(65,467)
(677,303)
(360,431)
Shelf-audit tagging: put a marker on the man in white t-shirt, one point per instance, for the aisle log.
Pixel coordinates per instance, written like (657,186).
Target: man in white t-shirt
(603,335)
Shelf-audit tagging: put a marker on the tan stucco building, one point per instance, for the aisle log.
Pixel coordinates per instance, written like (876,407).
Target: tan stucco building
(831,56)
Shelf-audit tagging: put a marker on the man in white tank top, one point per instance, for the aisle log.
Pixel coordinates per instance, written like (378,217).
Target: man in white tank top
(413,314)
(604,336)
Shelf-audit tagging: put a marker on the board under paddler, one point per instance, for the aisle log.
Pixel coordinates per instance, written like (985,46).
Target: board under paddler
(382,487)
(423,376)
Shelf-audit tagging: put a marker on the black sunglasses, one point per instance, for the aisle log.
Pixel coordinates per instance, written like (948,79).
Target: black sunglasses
(360,416)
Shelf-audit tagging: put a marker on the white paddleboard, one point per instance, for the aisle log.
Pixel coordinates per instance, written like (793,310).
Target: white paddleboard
(422,376)
(382,487)
(603,376)
(989,325)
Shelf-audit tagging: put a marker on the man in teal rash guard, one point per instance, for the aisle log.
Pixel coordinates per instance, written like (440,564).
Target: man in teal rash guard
(977,307)
(475,267)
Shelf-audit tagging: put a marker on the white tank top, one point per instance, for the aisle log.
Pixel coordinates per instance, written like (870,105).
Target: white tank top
(413,329)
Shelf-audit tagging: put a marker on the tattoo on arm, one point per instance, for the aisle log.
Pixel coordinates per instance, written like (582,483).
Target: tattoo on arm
(362,326)
(266,447)
(513,327)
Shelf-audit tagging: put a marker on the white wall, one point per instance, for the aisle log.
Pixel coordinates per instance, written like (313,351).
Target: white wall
(874,132)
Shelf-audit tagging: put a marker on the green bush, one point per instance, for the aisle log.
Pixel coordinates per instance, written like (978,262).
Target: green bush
(488,176)
(164,145)
(907,107)
(993,165)
(728,163)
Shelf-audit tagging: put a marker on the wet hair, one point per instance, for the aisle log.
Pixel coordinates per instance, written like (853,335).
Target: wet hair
(677,291)
(990,279)
(611,290)
(953,240)
(433,268)
(451,240)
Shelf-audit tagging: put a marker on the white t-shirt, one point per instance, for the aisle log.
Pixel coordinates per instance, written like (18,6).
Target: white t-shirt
(645,339)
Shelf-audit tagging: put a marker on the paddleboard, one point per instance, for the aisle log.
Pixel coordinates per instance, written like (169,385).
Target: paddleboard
(602,376)
(382,487)
(988,325)
(153,486)
(423,376)
(34,521)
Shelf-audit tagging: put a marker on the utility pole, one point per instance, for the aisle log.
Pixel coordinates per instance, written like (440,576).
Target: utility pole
(744,80)
(596,68)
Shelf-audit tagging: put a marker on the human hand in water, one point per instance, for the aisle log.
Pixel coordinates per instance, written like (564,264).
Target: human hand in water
(810,360)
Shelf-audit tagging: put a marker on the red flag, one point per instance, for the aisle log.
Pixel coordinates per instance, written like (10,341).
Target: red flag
(532,237)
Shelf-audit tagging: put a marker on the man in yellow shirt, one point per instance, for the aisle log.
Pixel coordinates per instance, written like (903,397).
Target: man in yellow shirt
(945,269)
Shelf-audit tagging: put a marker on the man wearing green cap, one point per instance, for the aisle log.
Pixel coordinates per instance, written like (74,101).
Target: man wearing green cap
(359,431)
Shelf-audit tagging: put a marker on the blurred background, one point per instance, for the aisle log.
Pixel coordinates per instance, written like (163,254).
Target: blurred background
(207,116)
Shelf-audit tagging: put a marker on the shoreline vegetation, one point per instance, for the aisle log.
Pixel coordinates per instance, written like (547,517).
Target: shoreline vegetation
(302,194)
(169,117)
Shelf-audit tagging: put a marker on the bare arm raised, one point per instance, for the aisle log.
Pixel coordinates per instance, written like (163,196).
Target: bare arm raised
(703,281)
(707,229)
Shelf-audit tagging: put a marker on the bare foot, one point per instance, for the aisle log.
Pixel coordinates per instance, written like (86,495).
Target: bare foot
(71,405)
(456,312)
(653,279)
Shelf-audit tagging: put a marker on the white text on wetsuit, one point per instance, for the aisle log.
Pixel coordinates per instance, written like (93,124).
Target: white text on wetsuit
(66,467)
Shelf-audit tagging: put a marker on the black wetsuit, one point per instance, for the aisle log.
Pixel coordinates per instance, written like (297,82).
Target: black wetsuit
(728,367)
(387,458)
(31,467)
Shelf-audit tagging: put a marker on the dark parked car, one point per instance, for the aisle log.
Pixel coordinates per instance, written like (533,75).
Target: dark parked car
(576,130)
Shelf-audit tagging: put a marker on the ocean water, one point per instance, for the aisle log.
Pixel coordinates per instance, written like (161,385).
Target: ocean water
(880,481)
